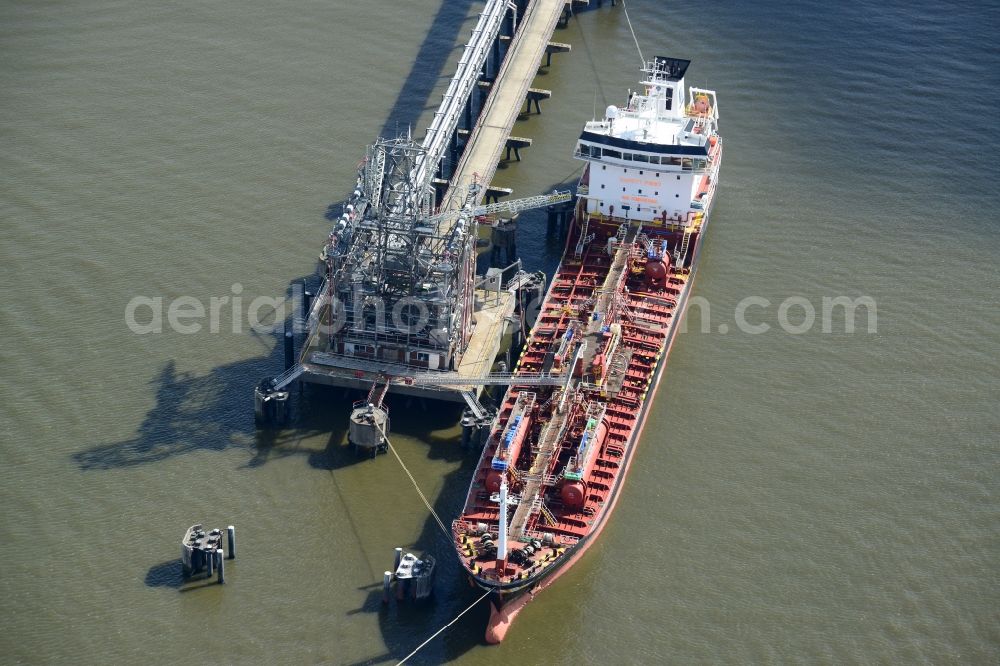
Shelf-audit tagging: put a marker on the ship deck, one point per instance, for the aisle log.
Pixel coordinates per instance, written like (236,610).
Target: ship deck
(611,287)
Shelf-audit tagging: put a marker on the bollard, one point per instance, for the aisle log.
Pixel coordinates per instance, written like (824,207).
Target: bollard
(210,561)
(220,563)
(386,586)
(397,559)
(231,534)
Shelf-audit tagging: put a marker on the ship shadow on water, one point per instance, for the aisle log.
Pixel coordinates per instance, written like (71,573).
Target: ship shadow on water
(405,625)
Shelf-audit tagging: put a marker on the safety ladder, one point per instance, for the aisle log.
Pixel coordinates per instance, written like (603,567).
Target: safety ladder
(584,239)
(681,254)
(546,514)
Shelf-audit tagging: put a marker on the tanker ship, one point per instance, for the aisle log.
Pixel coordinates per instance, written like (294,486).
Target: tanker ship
(568,427)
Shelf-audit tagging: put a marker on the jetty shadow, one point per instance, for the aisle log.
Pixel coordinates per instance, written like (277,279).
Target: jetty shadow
(428,65)
(328,409)
(426,72)
(211,412)
(431,422)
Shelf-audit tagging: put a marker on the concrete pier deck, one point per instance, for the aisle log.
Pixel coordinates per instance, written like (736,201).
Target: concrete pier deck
(508,92)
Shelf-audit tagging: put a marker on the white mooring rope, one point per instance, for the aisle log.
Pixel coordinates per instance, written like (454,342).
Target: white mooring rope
(446,533)
(418,648)
(633,34)
(414,482)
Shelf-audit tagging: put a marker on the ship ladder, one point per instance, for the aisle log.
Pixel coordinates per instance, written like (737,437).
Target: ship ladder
(582,243)
(681,254)
(547,515)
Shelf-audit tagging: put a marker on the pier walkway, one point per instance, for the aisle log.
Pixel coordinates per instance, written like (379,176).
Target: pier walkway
(507,94)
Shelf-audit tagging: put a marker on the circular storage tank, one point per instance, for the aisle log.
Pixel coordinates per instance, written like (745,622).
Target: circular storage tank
(573,494)
(655,271)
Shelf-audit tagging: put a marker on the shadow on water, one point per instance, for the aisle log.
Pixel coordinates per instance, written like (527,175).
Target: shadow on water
(212,412)
(427,69)
(428,66)
(165,574)
(200,413)
(191,414)
(405,625)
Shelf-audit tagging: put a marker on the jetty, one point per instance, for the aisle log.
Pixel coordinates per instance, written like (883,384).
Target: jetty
(400,303)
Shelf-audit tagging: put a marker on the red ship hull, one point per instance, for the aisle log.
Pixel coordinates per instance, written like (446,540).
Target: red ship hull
(503,610)
(568,429)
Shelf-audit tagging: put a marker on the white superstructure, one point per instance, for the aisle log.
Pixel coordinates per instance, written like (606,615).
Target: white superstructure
(657,157)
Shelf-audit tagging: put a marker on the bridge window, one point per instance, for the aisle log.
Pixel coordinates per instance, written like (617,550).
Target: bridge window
(423,356)
(612,153)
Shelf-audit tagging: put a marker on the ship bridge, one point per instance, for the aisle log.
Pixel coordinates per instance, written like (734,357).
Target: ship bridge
(652,159)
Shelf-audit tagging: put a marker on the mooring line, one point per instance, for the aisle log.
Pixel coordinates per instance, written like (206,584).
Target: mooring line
(634,38)
(447,535)
(440,522)
(419,647)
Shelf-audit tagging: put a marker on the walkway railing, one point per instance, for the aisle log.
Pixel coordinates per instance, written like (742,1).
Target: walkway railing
(470,67)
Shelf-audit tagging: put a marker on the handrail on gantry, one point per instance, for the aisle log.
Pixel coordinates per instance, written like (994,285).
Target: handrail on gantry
(470,68)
